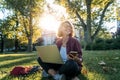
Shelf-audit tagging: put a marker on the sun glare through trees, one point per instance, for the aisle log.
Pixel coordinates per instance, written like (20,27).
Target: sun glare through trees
(52,16)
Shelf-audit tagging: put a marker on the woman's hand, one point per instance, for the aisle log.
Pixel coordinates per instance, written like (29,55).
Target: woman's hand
(75,58)
(78,60)
(70,56)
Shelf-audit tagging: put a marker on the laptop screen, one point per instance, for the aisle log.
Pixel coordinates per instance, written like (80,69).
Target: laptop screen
(49,54)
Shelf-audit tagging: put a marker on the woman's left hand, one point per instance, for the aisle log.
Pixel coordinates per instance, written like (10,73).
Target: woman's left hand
(70,56)
(77,59)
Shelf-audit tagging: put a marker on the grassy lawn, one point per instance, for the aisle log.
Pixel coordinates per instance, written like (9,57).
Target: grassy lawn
(92,65)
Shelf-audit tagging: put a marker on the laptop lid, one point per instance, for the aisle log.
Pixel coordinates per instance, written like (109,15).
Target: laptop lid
(49,54)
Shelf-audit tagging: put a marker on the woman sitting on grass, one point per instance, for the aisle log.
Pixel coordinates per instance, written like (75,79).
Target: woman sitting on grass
(67,45)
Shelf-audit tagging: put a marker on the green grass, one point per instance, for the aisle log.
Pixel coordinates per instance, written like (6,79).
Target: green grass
(91,69)
(94,71)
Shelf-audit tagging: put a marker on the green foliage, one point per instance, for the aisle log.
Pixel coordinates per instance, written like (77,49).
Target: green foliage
(9,44)
(25,17)
(91,15)
(104,34)
(104,44)
(7,27)
(116,43)
(23,22)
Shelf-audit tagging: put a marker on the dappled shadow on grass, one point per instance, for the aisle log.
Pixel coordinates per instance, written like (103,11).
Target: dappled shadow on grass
(11,57)
(81,77)
(21,62)
(9,61)
(34,76)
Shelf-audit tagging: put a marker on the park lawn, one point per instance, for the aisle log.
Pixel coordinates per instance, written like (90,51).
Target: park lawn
(92,70)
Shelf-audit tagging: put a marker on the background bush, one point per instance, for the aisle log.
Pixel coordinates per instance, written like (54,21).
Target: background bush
(104,44)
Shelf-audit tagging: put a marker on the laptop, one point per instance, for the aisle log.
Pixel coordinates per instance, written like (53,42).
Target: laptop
(49,54)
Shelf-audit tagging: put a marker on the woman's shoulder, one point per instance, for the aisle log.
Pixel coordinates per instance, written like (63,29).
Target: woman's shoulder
(73,38)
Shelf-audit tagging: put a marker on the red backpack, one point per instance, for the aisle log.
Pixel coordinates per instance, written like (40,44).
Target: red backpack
(19,70)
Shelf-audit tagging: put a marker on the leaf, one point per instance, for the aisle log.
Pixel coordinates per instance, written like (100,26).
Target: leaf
(102,63)
(109,69)
(114,69)
(116,58)
(105,69)
(84,71)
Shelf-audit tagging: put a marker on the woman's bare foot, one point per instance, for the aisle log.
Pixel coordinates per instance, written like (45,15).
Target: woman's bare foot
(52,72)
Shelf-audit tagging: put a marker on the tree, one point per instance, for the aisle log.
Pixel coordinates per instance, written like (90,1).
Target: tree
(6,27)
(91,14)
(28,9)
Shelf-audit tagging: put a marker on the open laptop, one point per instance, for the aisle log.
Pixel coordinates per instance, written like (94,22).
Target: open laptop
(49,54)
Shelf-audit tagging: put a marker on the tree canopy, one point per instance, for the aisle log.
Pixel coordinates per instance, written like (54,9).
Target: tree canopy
(22,23)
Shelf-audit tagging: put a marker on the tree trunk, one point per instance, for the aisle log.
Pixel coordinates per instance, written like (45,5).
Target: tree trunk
(30,37)
(29,44)
(88,35)
(2,43)
(88,31)
(85,38)
(16,45)
(30,29)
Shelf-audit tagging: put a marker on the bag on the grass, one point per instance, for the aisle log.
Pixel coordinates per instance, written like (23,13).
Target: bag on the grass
(21,70)
(35,69)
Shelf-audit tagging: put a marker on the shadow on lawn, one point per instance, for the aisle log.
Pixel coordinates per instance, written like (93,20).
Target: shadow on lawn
(33,76)
(81,77)
(24,60)
(21,62)
(10,57)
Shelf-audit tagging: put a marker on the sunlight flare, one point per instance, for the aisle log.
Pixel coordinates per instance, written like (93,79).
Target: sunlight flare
(52,16)
(50,1)
(49,22)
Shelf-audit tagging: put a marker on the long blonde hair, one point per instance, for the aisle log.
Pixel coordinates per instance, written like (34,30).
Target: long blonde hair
(65,24)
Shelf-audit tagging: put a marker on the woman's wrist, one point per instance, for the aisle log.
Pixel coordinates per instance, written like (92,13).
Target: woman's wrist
(81,59)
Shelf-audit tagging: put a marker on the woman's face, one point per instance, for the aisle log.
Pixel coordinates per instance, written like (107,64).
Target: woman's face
(66,31)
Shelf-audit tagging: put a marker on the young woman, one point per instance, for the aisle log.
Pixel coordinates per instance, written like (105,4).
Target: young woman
(68,46)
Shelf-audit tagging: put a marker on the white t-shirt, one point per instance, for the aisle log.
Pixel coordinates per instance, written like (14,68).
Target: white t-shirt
(63,53)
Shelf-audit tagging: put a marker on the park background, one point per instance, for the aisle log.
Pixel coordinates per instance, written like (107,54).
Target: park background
(25,24)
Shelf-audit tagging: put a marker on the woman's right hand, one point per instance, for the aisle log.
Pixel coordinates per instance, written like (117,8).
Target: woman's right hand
(70,56)
(75,58)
